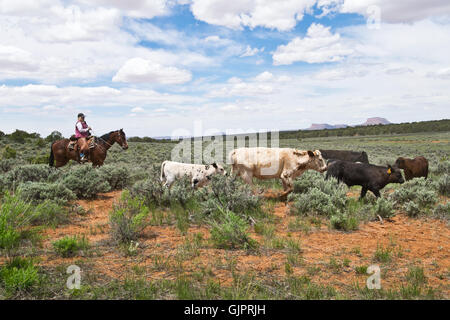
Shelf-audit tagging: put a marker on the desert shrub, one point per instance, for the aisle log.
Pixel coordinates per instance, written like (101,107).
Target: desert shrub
(41,191)
(16,216)
(151,191)
(230,232)
(327,198)
(418,188)
(426,198)
(442,211)
(412,209)
(384,208)
(4,183)
(308,180)
(18,275)
(9,152)
(39,159)
(70,246)
(118,177)
(344,221)
(128,218)
(443,167)
(25,173)
(382,254)
(416,276)
(443,185)
(232,195)
(85,182)
(7,164)
(181,194)
(50,213)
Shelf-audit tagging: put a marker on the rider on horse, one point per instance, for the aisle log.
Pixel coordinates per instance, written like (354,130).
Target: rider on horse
(82,135)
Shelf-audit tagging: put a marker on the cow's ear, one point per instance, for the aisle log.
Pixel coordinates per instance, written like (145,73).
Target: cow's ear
(215,165)
(310,153)
(206,166)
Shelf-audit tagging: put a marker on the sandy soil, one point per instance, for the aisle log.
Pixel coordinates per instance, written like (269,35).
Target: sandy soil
(420,242)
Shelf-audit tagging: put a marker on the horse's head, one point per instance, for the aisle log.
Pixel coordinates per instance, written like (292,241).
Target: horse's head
(121,139)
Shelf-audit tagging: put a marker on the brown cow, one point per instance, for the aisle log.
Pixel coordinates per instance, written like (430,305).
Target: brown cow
(268,163)
(413,168)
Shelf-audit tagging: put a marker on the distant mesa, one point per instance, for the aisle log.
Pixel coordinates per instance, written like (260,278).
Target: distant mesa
(369,122)
(375,120)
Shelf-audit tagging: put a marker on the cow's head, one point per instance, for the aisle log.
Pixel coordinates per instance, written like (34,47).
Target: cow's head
(400,163)
(394,174)
(215,168)
(316,162)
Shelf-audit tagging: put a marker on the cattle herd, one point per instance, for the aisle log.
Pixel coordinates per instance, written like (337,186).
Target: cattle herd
(349,167)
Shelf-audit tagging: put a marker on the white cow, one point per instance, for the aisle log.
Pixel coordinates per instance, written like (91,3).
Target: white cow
(199,174)
(268,163)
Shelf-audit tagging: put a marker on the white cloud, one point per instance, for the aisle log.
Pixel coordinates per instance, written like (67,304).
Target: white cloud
(16,59)
(395,11)
(282,14)
(319,45)
(138,70)
(249,51)
(440,74)
(135,8)
(264,76)
(137,110)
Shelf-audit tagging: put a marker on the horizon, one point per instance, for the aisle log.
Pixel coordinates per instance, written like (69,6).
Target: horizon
(158,67)
(162,137)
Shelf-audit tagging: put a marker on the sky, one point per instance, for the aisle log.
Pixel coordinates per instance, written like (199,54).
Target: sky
(195,67)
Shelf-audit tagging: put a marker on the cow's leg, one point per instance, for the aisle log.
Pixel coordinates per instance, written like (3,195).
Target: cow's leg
(363,192)
(247,177)
(286,179)
(376,192)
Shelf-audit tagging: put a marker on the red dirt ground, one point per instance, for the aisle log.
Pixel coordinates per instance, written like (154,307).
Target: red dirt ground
(421,242)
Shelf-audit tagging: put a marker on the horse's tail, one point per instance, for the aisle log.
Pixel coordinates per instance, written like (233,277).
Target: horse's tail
(163,176)
(51,160)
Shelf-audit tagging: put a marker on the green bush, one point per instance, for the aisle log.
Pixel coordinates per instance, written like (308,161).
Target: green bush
(16,216)
(118,177)
(326,197)
(444,185)
(41,191)
(230,232)
(128,219)
(70,246)
(443,167)
(85,182)
(384,208)
(344,221)
(412,209)
(50,213)
(27,173)
(442,211)
(19,275)
(419,190)
(7,164)
(8,152)
(151,191)
(230,194)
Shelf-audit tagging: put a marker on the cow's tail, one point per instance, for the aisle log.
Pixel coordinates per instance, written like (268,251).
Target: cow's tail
(163,176)
(51,159)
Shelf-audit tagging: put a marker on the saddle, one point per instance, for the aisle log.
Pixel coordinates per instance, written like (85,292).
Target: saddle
(91,141)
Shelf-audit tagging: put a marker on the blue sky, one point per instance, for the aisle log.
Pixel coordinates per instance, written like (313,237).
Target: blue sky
(160,67)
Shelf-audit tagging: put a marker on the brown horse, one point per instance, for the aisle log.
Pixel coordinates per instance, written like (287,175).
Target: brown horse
(61,154)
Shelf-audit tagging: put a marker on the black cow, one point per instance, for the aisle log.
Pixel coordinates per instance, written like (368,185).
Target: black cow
(369,176)
(345,155)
